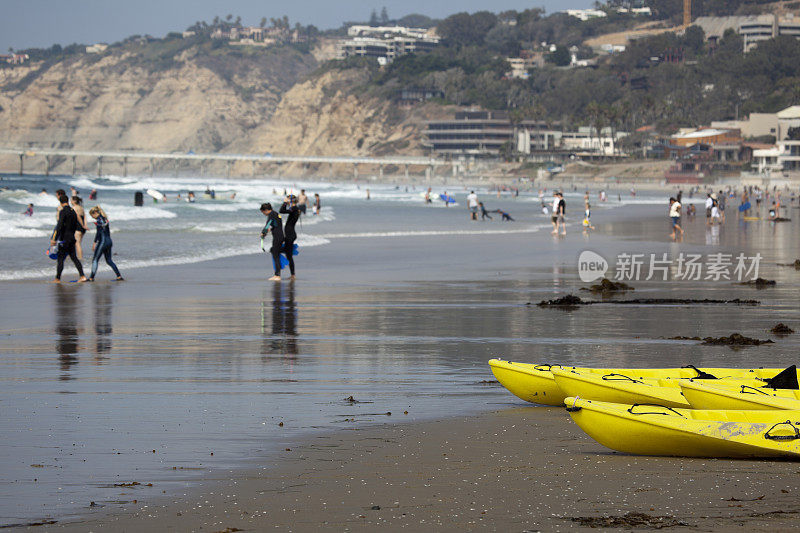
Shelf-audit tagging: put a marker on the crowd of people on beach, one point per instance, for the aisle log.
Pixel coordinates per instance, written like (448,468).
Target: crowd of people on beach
(67,236)
(715,204)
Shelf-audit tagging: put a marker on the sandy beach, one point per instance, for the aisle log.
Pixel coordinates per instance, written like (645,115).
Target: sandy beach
(514,469)
(200,397)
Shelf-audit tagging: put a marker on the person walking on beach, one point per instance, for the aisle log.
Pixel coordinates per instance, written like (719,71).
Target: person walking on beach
(64,236)
(484,213)
(715,216)
(709,205)
(554,218)
(675,218)
(274,228)
(291,209)
(102,242)
(587,214)
(562,213)
(77,206)
(472,202)
(317,204)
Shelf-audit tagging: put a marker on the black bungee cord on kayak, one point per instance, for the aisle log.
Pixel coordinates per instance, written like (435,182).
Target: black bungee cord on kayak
(783,437)
(621,377)
(632,407)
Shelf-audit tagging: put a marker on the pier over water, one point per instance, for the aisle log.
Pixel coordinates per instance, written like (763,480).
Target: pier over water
(52,155)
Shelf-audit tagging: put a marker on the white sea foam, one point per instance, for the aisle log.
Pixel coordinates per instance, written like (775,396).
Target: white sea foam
(224,227)
(119,212)
(251,206)
(23,197)
(182,259)
(19,226)
(431,233)
(12,231)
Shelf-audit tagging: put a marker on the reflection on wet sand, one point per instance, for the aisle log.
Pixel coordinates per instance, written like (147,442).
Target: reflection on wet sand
(103,322)
(66,329)
(281,337)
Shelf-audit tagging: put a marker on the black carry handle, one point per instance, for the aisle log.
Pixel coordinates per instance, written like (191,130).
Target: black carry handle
(700,373)
(632,407)
(621,377)
(783,437)
(746,390)
(545,367)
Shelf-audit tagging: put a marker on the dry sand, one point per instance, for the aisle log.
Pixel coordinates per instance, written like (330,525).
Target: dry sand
(517,469)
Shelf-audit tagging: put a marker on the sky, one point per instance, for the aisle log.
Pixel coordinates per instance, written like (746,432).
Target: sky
(42,23)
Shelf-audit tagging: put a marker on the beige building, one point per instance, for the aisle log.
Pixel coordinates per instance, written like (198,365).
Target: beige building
(756,125)
(752,28)
(788,118)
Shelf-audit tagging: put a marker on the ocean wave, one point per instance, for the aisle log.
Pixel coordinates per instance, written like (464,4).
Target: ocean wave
(15,225)
(182,259)
(253,206)
(121,213)
(431,233)
(12,231)
(24,197)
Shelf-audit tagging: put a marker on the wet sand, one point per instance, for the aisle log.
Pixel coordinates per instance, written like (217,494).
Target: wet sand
(194,360)
(515,469)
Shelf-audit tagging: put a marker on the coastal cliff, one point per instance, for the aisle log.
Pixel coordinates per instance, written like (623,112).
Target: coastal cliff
(241,101)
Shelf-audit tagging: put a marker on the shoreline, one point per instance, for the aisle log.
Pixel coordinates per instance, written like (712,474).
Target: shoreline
(519,468)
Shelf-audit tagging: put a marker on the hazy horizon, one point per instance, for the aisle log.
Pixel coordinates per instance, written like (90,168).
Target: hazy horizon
(43,23)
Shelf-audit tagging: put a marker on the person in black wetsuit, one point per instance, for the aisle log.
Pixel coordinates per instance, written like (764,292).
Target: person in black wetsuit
(102,242)
(275,228)
(291,209)
(64,234)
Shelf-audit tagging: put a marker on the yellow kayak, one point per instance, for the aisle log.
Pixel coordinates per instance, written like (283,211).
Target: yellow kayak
(535,383)
(530,382)
(729,396)
(620,387)
(657,430)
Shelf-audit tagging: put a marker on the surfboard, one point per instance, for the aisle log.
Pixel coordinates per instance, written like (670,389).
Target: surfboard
(155,194)
(752,218)
(744,207)
(448,199)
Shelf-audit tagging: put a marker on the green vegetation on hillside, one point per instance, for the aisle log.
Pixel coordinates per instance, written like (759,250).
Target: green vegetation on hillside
(669,80)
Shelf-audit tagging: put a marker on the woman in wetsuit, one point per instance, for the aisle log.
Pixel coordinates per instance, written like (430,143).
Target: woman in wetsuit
(291,209)
(77,206)
(102,242)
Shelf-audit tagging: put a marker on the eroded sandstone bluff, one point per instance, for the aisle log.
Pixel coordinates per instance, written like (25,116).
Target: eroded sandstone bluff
(251,101)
